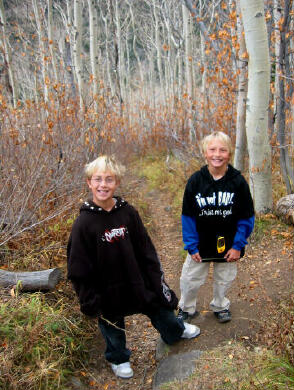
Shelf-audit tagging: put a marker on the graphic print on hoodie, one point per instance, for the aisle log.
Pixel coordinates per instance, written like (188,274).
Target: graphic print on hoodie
(216,206)
(113,264)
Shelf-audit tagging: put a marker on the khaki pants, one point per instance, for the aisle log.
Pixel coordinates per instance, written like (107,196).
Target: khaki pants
(194,276)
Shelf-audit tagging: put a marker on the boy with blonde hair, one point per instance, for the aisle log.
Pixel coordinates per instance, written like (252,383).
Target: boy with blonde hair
(217,219)
(115,270)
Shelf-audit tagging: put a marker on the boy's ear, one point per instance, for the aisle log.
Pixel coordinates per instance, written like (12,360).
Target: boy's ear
(88,182)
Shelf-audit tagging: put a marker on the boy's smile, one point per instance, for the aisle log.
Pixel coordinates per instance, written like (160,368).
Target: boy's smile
(217,155)
(103,185)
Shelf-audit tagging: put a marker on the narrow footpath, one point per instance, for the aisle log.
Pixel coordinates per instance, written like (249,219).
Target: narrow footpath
(265,276)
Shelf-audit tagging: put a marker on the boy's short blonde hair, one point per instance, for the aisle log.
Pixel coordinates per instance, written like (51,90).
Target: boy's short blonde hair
(219,135)
(104,164)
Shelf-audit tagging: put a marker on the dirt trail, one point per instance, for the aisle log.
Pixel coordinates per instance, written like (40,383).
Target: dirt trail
(265,275)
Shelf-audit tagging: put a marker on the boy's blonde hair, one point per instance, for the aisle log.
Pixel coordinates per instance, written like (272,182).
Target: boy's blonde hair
(219,135)
(104,164)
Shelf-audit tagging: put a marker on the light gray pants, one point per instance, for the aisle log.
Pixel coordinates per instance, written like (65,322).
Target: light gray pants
(194,276)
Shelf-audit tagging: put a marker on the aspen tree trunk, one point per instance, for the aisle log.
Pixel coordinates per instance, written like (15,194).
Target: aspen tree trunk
(50,39)
(204,93)
(158,48)
(291,95)
(188,70)
(42,49)
(93,47)
(77,49)
(134,45)
(257,103)
(277,35)
(188,54)
(286,169)
(117,47)
(108,62)
(7,56)
(170,62)
(120,63)
(180,74)
(240,148)
(66,45)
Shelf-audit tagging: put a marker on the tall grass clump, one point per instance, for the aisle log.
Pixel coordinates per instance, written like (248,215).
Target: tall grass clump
(167,173)
(42,344)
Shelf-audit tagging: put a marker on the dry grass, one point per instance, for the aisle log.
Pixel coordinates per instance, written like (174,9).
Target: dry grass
(238,367)
(43,341)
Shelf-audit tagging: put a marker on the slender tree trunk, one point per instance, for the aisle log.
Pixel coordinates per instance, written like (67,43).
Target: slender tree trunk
(108,62)
(188,71)
(257,103)
(134,46)
(77,49)
(7,56)
(277,16)
(93,47)
(43,50)
(119,44)
(158,45)
(180,75)
(117,50)
(51,40)
(240,149)
(287,170)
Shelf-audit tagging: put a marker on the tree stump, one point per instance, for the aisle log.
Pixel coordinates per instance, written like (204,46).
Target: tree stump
(285,209)
(31,281)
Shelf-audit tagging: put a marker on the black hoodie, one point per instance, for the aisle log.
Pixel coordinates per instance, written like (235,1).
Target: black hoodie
(113,264)
(216,206)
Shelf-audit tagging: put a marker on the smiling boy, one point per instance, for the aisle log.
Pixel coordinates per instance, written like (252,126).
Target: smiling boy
(217,219)
(115,270)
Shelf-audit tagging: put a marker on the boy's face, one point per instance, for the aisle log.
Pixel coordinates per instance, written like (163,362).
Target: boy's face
(217,154)
(102,185)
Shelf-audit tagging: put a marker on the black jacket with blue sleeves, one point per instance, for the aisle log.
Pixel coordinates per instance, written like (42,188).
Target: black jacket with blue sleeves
(216,208)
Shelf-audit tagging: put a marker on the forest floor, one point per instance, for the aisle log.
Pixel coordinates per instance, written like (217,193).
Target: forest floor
(265,278)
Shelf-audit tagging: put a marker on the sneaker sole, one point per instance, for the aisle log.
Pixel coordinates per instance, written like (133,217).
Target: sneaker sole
(124,377)
(224,320)
(192,337)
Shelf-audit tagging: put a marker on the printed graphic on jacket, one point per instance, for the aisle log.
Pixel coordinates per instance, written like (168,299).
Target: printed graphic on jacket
(115,234)
(219,199)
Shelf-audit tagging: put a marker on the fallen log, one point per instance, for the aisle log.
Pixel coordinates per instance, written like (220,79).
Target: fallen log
(31,281)
(285,209)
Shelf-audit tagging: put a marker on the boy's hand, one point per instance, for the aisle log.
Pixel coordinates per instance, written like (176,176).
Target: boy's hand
(196,257)
(232,255)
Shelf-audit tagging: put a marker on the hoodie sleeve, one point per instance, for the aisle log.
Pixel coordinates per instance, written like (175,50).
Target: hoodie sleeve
(150,264)
(246,219)
(244,229)
(190,234)
(80,267)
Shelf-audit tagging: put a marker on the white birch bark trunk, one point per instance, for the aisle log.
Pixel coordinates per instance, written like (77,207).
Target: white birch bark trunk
(158,47)
(93,47)
(134,44)
(188,70)
(120,64)
(77,49)
(277,35)
(108,62)
(240,148)
(180,74)
(51,39)
(42,49)
(8,57)
(188,54)
(257,103)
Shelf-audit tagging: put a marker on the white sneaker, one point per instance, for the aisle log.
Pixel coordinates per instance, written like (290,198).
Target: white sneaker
(190,331)
(123,370)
